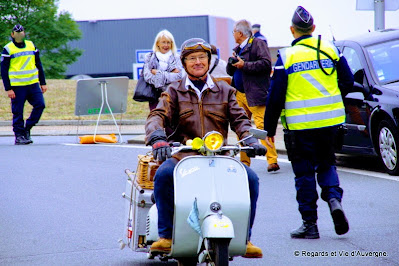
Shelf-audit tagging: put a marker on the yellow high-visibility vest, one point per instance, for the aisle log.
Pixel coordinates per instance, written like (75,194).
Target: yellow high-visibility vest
(22,69)
(313,99)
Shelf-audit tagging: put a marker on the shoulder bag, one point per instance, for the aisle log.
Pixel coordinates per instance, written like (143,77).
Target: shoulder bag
(145,92)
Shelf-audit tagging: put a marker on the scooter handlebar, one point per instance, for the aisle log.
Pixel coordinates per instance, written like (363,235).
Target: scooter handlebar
(181,148)
(235,148)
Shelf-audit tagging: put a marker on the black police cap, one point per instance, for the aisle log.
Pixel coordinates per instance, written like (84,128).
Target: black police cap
(302,18)
(18,28)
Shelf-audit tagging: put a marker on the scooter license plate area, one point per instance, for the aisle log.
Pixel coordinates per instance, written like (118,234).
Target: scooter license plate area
(210,179)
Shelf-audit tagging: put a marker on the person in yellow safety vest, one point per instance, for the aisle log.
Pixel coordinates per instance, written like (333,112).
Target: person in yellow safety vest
(22,71)
(309,80)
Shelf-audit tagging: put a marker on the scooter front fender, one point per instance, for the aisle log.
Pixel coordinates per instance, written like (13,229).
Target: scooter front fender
(215,226)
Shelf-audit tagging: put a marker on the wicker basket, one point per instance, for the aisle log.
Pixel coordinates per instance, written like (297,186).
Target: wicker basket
(146,169)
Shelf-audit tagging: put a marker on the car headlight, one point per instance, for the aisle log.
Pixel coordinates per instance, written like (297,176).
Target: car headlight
(213,141)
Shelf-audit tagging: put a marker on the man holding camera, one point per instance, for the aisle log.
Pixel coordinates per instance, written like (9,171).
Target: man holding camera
(250,67)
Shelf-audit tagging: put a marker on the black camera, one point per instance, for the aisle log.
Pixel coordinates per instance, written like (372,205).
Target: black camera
(232,60)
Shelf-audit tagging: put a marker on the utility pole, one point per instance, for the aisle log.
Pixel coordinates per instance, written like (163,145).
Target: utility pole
(379,14)
(379,7)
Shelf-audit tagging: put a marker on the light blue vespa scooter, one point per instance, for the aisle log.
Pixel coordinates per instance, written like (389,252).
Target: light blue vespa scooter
(212,205)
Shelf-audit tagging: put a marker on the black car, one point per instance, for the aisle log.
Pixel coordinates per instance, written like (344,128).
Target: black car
(372,108)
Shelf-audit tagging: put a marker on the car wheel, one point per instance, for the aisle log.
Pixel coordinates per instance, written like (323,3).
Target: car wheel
(388,141)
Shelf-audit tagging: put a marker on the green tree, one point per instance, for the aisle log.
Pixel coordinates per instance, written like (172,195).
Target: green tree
(50,32)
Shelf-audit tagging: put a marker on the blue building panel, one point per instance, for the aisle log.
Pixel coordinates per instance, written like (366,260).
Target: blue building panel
(110,46)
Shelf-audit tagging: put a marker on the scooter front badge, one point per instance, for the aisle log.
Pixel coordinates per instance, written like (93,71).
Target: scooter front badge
(215,207)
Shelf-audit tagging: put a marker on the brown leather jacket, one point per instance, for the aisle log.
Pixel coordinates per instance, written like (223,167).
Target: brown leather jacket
(190,117)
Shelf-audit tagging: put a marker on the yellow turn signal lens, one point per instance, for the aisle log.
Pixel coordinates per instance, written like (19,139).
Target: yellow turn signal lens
(213,141)
(197,143)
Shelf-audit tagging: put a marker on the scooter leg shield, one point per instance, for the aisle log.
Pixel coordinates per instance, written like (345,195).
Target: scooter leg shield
(152,225)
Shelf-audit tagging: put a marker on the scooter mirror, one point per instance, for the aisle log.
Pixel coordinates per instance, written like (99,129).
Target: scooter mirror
(258,133)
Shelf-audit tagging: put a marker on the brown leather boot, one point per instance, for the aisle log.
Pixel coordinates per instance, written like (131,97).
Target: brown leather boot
(253,251)
(162,245)
(273,167)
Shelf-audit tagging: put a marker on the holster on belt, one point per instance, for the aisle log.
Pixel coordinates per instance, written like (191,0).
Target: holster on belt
(291,144)
(342,130)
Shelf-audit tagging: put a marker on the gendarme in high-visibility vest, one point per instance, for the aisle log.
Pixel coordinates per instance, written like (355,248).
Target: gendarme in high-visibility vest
(313,99)
(22,69)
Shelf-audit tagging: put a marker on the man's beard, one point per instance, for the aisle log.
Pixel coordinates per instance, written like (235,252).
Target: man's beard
(19,38)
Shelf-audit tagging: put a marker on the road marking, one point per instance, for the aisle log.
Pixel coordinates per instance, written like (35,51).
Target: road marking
(368,173)
(280,160)
(350,170)
(109,145)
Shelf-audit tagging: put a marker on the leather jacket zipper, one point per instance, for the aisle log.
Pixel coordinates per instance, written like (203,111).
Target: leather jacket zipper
(201,113)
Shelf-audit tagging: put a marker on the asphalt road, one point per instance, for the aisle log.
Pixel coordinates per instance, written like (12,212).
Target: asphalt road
(60,204)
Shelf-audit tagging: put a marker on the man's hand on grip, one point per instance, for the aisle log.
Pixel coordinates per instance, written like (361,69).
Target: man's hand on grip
(161,150)
(258,148)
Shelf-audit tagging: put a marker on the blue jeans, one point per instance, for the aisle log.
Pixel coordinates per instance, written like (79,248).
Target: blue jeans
(164,196)
(315,155)
(33,94)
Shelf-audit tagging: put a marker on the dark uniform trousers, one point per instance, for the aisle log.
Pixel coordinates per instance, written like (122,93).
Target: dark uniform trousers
(311,152)
(33,94)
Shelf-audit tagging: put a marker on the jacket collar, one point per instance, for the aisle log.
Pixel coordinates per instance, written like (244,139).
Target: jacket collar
(242,45)
(300,39)
(245,45)
(186,84)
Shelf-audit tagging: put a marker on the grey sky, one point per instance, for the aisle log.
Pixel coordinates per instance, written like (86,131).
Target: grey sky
(274,16)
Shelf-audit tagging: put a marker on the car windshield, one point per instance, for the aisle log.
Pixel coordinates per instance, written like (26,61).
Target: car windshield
(385,60)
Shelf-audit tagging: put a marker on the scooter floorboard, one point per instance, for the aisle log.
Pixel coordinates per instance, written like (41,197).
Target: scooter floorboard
(163,256)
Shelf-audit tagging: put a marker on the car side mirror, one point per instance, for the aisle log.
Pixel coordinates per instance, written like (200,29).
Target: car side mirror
(359,76)
(357,87)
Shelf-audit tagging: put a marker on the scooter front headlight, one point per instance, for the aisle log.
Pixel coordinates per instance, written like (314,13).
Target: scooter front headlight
(213,141)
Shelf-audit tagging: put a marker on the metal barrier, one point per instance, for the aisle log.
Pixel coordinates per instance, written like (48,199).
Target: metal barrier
(59,118)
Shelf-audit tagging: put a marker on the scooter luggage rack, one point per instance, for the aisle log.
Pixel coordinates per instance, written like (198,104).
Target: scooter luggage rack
(140,185)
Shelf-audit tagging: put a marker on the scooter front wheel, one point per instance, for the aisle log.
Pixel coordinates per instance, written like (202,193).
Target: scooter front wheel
(219,251)
(187,262)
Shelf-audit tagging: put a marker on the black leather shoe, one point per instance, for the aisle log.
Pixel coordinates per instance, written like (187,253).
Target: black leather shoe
(338,215)
(27,136)
(21,140)
(307,230)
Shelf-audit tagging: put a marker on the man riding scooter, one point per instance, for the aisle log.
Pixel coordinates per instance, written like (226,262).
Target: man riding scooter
(191,107)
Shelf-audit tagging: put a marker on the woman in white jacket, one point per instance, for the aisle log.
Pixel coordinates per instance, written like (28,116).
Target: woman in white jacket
(162,66)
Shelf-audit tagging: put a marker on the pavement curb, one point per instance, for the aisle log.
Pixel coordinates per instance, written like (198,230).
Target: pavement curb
(79,122)
(132,128)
